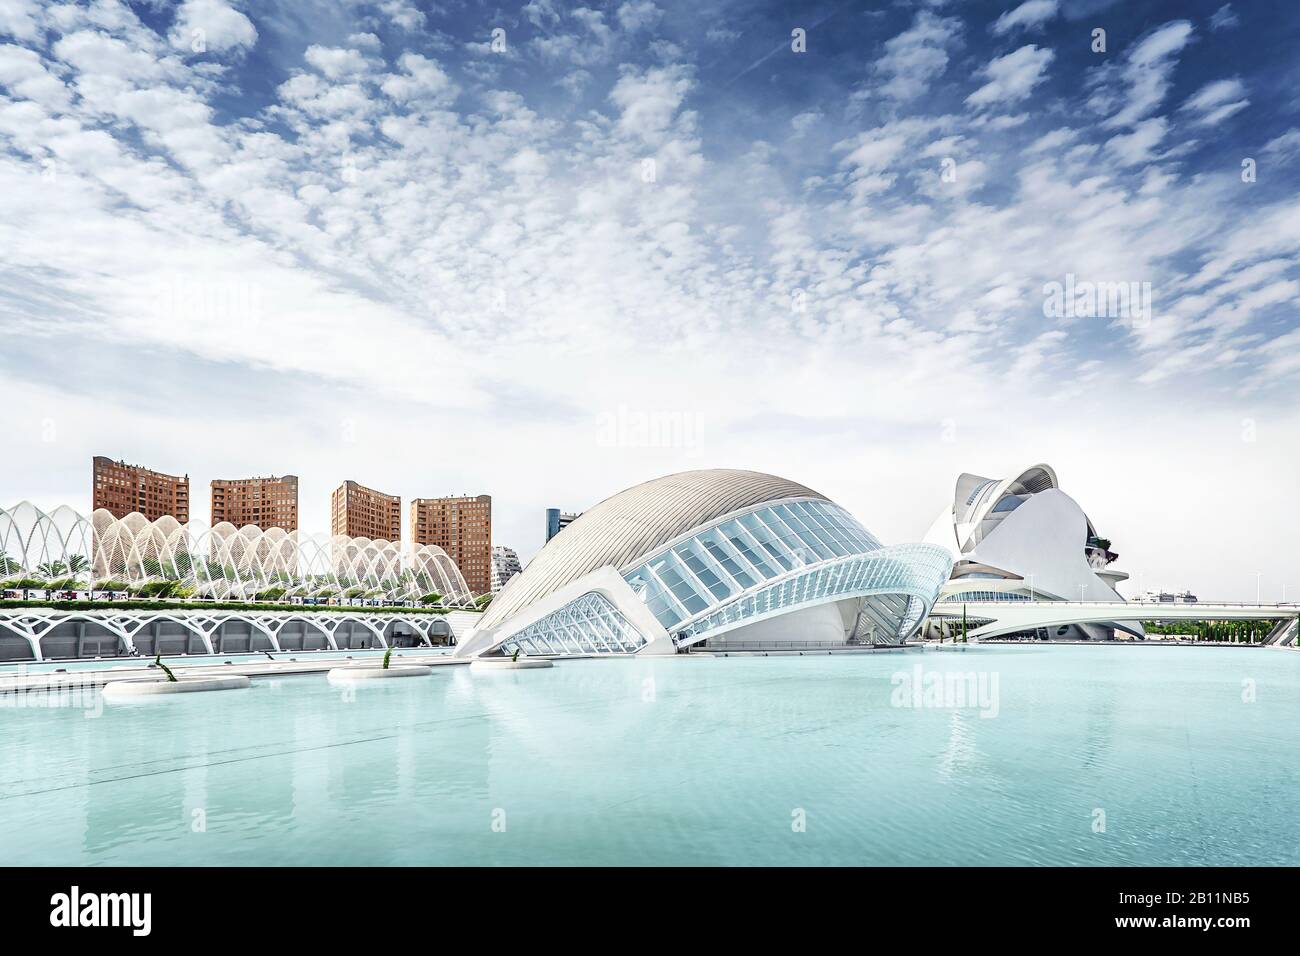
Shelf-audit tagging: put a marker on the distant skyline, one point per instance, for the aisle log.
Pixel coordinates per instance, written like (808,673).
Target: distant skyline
(543,252)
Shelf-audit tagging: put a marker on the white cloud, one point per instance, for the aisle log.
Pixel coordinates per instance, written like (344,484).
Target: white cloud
(805,121)
(1132,91)
(541,13)
(486,263)
(916,57)
(20,19)
(22,71)
(1012,78)
(1216,101)
(638,15)
(1139,145)
(593,42)
(1054,140)
(648,101)
(402,13)
(336,63)
(1284,147)
(220,26)
(422,79)
(1030,15)
(1224,18)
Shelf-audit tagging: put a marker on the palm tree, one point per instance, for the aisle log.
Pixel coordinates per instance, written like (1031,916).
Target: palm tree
(8,565)
(52,569)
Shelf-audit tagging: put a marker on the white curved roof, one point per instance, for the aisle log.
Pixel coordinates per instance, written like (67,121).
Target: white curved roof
(975,497)
(634,523)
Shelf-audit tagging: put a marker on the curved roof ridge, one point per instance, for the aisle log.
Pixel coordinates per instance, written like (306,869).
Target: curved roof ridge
(635,522)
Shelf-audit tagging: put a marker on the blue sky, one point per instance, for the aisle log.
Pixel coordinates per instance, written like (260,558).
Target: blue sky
(545,251)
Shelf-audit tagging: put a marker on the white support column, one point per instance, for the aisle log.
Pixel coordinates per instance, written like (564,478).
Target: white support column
(378,631)
(265,629)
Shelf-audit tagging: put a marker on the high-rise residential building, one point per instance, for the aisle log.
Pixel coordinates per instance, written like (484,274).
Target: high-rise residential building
(121,489)
(265,502)
(505,565)
(361,512)
(557,521)
(461,526)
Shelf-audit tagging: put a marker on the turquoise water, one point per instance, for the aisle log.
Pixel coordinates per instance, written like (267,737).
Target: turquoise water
(682,761)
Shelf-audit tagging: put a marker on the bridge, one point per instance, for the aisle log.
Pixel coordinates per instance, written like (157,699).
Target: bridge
(1008,617)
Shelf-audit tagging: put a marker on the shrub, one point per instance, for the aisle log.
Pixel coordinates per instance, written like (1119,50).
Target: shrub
(158,589)
(19,584)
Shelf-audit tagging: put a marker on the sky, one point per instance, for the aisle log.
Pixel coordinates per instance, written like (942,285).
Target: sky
(548,251)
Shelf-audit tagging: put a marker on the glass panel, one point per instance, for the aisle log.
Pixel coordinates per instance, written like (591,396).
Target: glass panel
(719,588)
(722,554)
(588,625)
(744,547)
(675,576)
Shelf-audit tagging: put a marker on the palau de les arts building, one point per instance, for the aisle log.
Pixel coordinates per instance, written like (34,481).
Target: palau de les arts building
(1024,539)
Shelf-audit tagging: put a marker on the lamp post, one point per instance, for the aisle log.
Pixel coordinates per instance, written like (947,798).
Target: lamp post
(1258,577)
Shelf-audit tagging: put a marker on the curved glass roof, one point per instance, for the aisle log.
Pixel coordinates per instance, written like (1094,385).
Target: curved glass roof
(723,560)
(620,531)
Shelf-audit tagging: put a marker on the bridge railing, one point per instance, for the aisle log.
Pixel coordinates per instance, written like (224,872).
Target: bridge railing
(1136,602)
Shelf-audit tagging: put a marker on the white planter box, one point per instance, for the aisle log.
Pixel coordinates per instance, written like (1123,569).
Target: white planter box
(133,690)
(347,675)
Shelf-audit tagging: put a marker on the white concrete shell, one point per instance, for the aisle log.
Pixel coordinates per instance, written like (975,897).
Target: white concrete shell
(635,522)
(1023,538)
(691,557)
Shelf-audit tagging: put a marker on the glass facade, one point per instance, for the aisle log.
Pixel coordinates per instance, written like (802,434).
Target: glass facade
(906,571)
(747,565)
(986,596)
(588,625)
(722,561)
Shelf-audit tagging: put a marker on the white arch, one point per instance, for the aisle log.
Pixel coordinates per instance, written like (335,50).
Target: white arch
(222,561)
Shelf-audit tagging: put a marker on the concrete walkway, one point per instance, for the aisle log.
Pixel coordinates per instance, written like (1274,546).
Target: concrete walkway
(142,669)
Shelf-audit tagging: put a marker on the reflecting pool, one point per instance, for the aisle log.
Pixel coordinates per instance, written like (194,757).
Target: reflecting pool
(1054,755)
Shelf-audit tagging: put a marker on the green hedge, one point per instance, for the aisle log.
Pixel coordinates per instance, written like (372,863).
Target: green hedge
(134,605)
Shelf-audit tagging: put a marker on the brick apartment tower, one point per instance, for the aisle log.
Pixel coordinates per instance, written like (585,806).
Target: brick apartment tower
(265,502)
(361,512)
(461,526)
(121,489)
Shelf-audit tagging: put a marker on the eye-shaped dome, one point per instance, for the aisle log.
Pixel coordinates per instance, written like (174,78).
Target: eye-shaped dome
(635,522)
(711,555)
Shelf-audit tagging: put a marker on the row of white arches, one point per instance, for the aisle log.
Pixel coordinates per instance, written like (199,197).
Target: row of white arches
(221,561)
(40,635)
